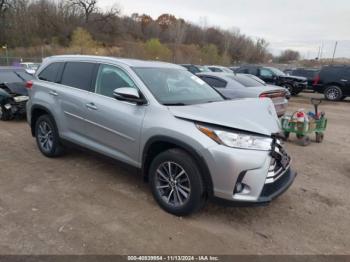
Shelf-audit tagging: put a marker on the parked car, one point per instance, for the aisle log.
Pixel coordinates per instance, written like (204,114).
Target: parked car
(30,67)
(275,76)
(333,82)
(194,69)
(308,73)
(188,141)
(235,86)
(13,93)
(219,69)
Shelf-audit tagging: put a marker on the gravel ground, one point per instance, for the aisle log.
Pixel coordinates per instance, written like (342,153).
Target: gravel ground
(84,204)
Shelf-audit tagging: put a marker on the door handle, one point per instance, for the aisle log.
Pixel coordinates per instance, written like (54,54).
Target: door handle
(53,93)
(91,106)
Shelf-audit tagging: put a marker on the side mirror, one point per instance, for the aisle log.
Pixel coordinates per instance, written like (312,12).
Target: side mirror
(128,94)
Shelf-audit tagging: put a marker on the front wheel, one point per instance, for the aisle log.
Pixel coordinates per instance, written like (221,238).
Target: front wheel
(47,137)
(176,182)
(333,93)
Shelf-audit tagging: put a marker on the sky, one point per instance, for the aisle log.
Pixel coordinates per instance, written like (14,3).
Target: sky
(302,25)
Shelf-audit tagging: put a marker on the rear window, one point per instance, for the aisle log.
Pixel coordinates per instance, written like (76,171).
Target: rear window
(78,75)
(214,82)
(245,80)
(50,73)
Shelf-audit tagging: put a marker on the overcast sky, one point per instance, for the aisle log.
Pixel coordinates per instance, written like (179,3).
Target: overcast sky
(301,25)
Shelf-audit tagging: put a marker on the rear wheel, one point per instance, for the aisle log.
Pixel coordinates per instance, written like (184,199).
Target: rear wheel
(47,137)
(5,114)
(292,90)
(333,93)
(176,182)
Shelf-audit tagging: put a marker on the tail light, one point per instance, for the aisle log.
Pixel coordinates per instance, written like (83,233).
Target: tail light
(316,80)
(29,84)
(272,95)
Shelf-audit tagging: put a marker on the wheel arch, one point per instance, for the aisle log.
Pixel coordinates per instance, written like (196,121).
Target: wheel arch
(158,144)
(36,112)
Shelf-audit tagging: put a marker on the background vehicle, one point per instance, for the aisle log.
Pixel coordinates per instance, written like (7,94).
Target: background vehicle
(160,118)
(333,82)
(219,69)
(194,69)
(30,67)
(308,73)
(13,93)
(275,76)
(234,86)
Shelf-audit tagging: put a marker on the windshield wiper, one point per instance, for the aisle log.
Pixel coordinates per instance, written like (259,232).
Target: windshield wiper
(174,104)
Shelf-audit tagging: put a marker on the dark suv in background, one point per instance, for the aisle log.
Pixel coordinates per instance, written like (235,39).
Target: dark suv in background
(275,76)
(333,82)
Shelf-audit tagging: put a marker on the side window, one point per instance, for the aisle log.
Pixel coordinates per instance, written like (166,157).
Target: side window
(214,82)
(78,75)
(215,69)
(266,73)
(51,72)
(110,78)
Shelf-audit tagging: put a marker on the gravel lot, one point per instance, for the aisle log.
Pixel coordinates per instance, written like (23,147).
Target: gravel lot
(85,204)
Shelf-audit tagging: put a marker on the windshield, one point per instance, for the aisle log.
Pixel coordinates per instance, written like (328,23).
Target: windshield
(276,71)
(177,87)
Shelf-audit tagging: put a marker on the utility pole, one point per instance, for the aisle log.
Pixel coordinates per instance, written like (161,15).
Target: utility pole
(335,49)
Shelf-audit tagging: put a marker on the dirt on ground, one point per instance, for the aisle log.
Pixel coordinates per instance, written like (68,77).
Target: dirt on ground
(85,204)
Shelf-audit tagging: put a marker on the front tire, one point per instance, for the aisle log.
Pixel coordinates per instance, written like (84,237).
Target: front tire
(176,182)
(333,93)
(47,137)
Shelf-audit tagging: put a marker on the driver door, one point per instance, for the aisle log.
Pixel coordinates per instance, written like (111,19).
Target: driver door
(114,126)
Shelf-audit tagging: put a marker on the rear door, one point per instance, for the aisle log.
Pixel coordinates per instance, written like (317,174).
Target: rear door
(114,126)
(73,95)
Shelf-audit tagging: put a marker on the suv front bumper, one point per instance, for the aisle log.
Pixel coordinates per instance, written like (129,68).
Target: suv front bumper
(260,176)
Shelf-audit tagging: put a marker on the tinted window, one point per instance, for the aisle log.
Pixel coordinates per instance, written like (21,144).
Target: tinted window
(50,73)
(9,77)
(245,80)
(78,75)
(214,82)
(215,69)
(110,78)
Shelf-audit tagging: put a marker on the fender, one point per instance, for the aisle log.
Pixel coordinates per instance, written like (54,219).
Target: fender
(196,155)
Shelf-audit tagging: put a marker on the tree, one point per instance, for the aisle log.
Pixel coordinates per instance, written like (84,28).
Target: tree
(210,54)
(155,50)
(288,56)
(82,40)
(87,6)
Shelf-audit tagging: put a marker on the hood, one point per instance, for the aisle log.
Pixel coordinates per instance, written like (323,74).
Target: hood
(251,114)
(17,88)
(295,78)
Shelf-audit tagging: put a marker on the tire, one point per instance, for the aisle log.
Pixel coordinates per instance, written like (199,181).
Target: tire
(5,114)
(319,137)
(46,130)
(333,93)
(292,90)
(188,189)
(304,140)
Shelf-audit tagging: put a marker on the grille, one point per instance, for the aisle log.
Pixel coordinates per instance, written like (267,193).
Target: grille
(280,163)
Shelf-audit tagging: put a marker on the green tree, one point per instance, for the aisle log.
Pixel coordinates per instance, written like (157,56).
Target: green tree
(210,54)
(83,41)
(155,50)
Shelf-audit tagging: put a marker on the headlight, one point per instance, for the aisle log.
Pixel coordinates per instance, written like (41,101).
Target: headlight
(19,99)
(237,140)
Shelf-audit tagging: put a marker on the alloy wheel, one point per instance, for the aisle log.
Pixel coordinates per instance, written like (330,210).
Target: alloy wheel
(333,93)
(45,136)
(173,184)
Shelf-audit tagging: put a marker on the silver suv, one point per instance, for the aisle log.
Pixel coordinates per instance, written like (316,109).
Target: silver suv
(189,143)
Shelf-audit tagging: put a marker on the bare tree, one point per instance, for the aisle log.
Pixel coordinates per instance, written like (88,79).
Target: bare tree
(87,6)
